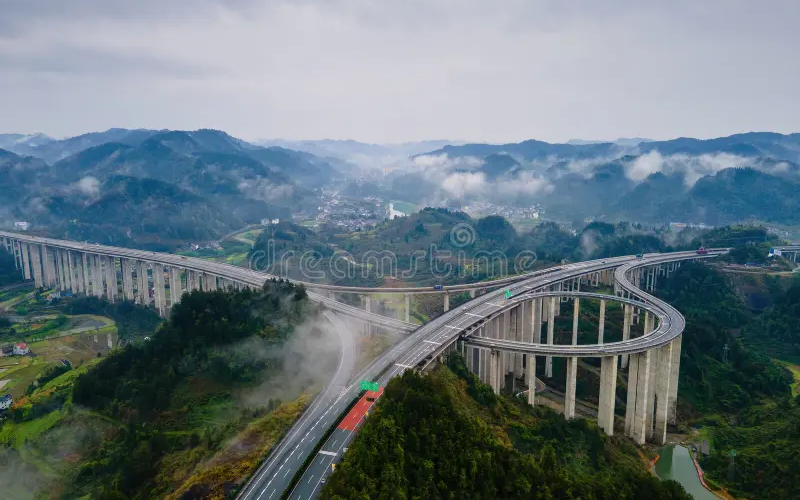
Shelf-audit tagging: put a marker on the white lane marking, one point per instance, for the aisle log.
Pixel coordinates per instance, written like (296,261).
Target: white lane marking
(453,327)
(432,342)
(472,314)
(273,492)
(404,366)
(329,453)
(309,479)
(286,473)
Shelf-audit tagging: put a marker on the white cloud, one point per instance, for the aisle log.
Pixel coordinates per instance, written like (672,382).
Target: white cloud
(391,71)
(88,186)
(691,167)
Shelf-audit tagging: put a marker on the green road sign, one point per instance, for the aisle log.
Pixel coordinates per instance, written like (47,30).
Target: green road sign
(508,294)
(366,385)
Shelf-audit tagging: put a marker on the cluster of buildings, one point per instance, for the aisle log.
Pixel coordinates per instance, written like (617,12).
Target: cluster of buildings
(509,212)
(680,226)
(19,349)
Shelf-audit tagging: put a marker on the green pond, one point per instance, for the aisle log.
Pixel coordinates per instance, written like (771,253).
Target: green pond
(675,462)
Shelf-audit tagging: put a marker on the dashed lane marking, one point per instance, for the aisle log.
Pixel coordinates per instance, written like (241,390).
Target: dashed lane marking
(329,453)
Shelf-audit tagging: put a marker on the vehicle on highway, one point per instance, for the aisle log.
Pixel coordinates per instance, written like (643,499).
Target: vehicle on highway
(437,287)
(702,251)
(463,308)
(639,256)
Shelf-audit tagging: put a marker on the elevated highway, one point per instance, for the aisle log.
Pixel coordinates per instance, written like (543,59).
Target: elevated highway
(500,333)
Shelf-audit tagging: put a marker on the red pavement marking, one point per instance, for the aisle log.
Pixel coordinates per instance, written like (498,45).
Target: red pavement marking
(353,418)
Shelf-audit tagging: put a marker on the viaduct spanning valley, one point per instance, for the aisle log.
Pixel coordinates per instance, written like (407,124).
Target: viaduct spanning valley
(503,332)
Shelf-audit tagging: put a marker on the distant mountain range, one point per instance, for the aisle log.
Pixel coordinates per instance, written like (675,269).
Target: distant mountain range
(727,179)
(205,182)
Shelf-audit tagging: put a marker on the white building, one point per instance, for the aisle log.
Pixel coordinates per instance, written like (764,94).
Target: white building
(21,349)
(21,225)
(6,402)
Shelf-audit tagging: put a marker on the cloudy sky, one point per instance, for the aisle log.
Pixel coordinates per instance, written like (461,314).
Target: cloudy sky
(388,71)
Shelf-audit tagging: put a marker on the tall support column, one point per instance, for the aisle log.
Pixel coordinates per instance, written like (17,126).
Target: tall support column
(58,271)
(127,278)
(642,397)
(662,393)
(66,261)
(36,265)
(407,300)
(86,277)
(159,289)
(47,268)
(569,395)
(517,315)
(530,371)
(74,260)
(576,313)
(446,302)
(26,260)
(537,320)
(548,363)
(143,283)
(608,394)
(111,278)
(175,290)
(97,277)
(626,330)
(602,328)
(630,406)
(672,411)
(494,368)
(649,320)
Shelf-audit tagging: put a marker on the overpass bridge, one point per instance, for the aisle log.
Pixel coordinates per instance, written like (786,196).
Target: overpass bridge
(497,334)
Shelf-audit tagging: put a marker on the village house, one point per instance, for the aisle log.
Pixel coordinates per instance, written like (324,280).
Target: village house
(21,349)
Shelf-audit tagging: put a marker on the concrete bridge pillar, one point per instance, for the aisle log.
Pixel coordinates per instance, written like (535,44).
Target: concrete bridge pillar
(602,326)
(494,369)
(446,301)
(175,289)
(630,406)
(42,249)
(626,330)
(662,390)
(36,265)
(159,289)
(143,283)
(472,293)
(69,270)
(127,279)
(576,313)
(639,432)
(569,395)
(548,363)
(111,278)
(26,260)
(86,277)
(672,402)
(407,300)
(538,310)
(97,277)
(530,371)
(608,394)
(651,388)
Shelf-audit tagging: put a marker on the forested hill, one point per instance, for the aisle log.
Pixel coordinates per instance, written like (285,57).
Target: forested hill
(447,436)
(187,412)
(742,400)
